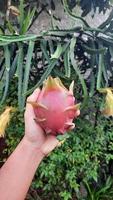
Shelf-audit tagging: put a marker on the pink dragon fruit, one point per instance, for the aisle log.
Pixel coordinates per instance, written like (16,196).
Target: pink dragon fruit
(55,107)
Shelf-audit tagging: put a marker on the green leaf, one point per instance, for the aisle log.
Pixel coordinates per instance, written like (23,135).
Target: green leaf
(51,46)
(27,68)
(100,71)
(58,52)
(43,46)
(10,27)
(74,64)
(27,21)
(62,32)
(20,75)
(17,38)
(94,51)
(2,43)
(92,85)
(22,14)
(67,63)
(62,137)
(7,66)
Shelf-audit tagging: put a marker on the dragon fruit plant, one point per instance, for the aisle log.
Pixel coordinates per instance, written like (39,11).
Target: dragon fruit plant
(55,107)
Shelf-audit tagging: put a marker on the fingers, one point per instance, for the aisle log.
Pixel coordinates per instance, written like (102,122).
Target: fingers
(33,97)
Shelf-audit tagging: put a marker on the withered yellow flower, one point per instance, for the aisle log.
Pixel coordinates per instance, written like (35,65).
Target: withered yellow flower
(4,120)
(108,110)
(14,10)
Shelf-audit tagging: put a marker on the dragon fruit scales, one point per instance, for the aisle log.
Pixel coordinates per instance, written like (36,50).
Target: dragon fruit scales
(55,107)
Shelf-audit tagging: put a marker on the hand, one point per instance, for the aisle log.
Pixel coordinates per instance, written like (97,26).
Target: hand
(34,133)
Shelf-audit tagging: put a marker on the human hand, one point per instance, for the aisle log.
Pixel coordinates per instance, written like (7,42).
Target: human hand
(34,133)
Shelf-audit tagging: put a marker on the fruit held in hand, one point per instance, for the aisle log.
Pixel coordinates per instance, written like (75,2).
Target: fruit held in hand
(55,107)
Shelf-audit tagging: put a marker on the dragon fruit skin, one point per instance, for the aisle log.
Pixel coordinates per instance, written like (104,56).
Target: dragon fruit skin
(55,107)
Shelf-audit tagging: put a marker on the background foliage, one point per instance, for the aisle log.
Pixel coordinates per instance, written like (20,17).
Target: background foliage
(82,167)
(65,53)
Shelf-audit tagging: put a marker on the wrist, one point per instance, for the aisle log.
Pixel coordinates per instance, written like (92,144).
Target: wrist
(33,148)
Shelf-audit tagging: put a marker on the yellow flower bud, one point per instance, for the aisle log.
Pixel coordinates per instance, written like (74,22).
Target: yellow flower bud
(108,110)
(4,120)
